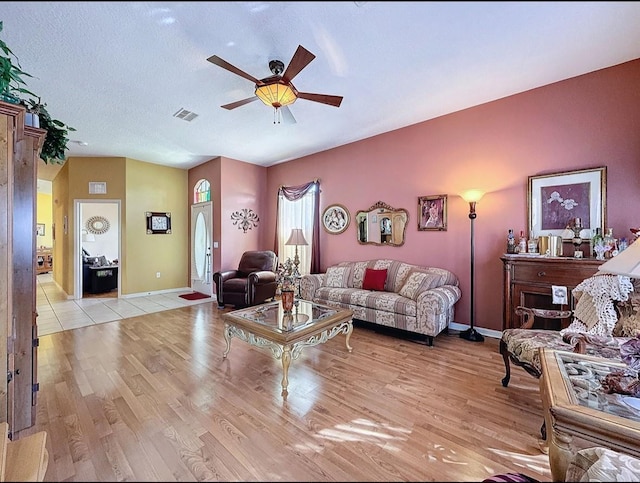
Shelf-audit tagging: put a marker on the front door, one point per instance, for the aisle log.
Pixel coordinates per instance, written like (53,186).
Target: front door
(201,240)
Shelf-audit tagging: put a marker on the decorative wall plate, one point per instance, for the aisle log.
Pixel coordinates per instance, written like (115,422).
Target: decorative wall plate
(98,225)
(335,219)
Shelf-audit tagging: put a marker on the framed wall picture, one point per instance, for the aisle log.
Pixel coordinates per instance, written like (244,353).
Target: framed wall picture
(556,199)
(158,222)
(40,229)
(335,219)
(432,213)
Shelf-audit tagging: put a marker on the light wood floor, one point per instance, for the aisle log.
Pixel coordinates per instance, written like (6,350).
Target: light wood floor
(151,399)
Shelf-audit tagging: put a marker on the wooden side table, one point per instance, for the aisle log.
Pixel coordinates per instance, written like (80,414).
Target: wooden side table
(575,405)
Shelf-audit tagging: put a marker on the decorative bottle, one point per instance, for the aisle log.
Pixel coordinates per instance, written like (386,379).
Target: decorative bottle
(598,244)
(511,242)
(609,243)
(522,243)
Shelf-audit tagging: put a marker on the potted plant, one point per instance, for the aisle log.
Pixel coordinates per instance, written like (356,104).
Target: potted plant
(55,141)
(32,116)
(12,83)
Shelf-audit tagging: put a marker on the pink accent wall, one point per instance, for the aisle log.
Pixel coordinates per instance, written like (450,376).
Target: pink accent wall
(234,185)
(589,121)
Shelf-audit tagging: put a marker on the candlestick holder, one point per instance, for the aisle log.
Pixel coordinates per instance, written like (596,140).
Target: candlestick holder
(576,227)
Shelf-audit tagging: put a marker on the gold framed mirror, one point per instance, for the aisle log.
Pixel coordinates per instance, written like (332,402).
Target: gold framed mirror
(382,224)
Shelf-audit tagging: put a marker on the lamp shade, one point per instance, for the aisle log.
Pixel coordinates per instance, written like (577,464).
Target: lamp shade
(296,237)
(277,94)
(627,262)
(472,196)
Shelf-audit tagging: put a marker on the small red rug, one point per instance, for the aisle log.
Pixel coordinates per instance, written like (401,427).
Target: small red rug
(194,296)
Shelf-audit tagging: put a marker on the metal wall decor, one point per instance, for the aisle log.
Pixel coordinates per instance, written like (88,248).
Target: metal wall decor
(245,219)
(98,225)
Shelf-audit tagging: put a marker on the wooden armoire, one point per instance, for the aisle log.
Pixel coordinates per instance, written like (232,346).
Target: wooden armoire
(19,153)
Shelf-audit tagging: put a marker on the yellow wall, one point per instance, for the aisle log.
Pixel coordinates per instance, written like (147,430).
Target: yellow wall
(140,187)
(45,215)
(60,196)
(155,188)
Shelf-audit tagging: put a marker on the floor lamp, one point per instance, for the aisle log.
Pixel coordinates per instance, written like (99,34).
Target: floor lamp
(472,196)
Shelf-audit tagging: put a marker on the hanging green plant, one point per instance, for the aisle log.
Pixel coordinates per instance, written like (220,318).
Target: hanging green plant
(55,141)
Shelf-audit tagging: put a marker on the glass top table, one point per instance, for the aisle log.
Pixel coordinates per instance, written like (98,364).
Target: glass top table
(287,333)
(576,405)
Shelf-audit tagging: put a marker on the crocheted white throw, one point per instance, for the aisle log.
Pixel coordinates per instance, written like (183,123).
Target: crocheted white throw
(594,312)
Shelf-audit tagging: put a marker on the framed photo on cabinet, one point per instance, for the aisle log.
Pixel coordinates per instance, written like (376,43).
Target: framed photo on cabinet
(556,199)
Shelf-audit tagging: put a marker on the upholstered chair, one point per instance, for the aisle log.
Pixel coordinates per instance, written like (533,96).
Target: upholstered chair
(521,345)
(252,283)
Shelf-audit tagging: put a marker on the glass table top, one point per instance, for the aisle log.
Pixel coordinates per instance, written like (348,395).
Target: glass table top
(586,376)
(272,315)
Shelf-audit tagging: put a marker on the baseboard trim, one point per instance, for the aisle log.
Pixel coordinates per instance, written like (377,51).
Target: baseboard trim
(494,334)
(160,292)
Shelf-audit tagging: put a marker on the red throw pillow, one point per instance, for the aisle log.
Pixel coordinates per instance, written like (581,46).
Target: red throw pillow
(374,279)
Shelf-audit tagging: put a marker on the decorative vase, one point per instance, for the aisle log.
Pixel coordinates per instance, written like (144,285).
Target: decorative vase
(287,300)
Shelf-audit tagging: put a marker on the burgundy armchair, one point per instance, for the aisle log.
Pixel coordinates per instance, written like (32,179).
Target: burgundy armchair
(252,283)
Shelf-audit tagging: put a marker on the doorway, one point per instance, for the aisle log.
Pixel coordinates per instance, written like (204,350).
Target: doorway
(201,237)
(97,232)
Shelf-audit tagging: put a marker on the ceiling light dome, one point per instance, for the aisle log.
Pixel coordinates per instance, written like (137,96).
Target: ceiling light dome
(277,93)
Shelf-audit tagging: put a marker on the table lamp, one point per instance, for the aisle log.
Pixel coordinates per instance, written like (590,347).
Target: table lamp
(296,238)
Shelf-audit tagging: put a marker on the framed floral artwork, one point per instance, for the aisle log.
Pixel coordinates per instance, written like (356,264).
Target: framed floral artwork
(335,219)
(555,200)
(432,213)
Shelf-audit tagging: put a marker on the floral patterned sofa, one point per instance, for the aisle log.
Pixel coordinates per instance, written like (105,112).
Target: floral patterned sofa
(388,292)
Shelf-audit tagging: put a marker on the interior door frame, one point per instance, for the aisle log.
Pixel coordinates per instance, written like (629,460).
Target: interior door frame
(77,243)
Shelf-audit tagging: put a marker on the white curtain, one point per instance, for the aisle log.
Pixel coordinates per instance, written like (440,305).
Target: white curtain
(296,214)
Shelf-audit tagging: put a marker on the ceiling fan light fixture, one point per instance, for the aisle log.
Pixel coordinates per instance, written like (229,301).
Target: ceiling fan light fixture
(276,94)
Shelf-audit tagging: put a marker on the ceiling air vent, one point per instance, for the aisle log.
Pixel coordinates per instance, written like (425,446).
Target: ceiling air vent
(185,115)
(97,187)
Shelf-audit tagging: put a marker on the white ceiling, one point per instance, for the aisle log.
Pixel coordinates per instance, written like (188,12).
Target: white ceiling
(118,71)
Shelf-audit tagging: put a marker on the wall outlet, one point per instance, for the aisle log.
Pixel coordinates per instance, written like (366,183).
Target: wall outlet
(157,274)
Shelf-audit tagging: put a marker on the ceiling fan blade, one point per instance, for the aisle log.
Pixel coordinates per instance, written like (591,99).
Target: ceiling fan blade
(287,115)
(322,98)
(214,59)
(299,61)
(233,105)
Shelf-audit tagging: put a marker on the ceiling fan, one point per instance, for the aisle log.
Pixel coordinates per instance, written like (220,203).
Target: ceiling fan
(277,90)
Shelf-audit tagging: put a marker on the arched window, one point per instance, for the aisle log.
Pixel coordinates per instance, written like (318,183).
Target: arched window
(202,191)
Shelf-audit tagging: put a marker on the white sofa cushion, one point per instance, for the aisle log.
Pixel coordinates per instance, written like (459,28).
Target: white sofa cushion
(337,277)
(416,282)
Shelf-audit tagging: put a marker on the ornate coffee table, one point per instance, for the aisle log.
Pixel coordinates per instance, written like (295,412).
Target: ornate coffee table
(576,405)
(286,334)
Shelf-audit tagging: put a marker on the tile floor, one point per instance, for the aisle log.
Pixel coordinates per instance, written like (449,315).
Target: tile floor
(57,313)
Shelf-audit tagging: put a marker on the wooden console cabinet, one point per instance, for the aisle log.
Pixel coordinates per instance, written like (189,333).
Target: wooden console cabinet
(44,260)
(528,281)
